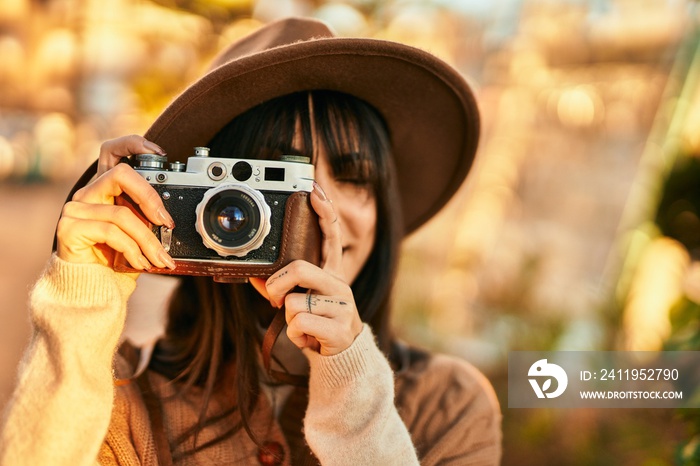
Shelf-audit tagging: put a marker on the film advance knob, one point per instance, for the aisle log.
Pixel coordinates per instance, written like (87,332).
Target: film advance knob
(150,161)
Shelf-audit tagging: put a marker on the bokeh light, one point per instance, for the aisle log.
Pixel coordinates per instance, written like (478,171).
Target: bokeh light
(553,242)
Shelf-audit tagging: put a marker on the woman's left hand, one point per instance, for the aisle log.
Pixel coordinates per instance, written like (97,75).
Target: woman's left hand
(325,318)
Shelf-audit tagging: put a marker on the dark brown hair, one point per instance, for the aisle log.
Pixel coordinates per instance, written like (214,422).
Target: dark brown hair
(214,327)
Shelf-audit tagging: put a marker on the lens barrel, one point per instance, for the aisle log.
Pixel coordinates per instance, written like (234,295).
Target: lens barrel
(233,219)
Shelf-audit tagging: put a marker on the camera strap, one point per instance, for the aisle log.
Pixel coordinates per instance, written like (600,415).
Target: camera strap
(273,332)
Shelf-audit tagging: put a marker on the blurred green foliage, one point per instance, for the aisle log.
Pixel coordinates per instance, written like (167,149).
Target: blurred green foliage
(678,217)
(678,214)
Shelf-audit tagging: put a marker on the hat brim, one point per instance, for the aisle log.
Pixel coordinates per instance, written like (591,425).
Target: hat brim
(430,110)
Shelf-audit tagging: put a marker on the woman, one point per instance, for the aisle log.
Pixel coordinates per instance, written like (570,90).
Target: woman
(392,132)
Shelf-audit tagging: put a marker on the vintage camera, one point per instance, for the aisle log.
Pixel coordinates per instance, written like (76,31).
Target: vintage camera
(234,218)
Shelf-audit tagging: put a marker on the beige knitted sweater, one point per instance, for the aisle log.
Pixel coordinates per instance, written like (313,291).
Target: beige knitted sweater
(68,410)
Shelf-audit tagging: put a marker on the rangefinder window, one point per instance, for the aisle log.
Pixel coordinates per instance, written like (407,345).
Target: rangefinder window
(274,174)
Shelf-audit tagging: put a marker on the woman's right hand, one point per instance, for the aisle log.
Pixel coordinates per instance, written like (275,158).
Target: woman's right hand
(92,227)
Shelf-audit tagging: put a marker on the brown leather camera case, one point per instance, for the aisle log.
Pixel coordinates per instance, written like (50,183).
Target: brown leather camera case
(301,239)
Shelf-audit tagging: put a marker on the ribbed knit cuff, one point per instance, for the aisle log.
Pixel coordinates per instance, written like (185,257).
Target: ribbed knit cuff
(359,360)
(83,285)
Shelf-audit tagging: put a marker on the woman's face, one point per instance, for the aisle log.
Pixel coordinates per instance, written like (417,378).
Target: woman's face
(356,208)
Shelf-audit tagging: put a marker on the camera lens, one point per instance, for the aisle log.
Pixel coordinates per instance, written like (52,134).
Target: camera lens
(233,219)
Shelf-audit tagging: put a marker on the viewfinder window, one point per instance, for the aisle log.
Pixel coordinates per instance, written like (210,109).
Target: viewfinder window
(274,174)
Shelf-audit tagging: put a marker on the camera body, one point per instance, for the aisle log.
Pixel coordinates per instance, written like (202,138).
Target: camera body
(235,218)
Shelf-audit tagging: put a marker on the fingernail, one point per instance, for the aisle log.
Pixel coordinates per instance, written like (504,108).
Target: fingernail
(320,192)
(145,265)
(150,145)
(165,218)
(166,259)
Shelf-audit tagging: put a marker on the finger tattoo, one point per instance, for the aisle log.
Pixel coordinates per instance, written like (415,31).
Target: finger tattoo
(274,279)
(333,301)
(311,300)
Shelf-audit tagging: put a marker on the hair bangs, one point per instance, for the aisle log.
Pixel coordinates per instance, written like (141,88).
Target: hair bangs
(267,131)
(353,136)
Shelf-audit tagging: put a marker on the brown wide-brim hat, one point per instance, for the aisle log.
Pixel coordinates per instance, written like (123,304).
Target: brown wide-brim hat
(428,106)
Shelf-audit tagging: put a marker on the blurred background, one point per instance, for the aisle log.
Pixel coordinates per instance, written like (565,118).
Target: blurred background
(578,229)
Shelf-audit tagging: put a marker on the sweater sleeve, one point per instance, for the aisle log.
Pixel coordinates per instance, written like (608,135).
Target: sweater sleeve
(351,418)
(61,407)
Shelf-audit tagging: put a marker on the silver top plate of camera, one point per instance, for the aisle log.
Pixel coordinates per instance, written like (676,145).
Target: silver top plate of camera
(204,171)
